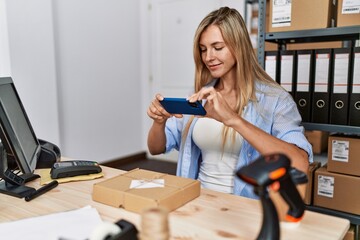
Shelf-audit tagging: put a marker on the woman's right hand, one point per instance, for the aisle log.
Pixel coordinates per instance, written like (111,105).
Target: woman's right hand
(156,111)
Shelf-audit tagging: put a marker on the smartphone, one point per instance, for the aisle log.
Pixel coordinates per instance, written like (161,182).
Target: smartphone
(182,106)
(74,168)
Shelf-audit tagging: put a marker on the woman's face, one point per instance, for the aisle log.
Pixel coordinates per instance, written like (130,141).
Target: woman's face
(215,54)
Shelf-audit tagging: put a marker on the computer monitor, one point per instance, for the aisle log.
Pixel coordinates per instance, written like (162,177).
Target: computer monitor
(18,139)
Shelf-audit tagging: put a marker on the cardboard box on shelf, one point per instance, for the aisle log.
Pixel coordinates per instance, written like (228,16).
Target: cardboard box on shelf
(300,15)
(318,140)
(315,45)
(348,13)
(344,154)
(139,189)
(337,191)
(308,199)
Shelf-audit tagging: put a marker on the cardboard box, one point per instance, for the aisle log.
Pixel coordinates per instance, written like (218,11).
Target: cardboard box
(315,45)
(347,13)
(318,140)
(129,190)
(308,199)
(337,191)
(300,14)
(344,154)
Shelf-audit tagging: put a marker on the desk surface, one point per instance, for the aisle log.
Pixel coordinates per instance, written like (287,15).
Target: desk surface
(213,215)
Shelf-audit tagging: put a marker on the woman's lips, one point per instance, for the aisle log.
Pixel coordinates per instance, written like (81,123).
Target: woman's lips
(214,66)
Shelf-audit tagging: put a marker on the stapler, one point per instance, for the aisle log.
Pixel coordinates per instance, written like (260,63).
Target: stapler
(274,171)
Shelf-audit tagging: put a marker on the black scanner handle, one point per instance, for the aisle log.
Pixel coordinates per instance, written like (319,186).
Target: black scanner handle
(291,195)
(274,171)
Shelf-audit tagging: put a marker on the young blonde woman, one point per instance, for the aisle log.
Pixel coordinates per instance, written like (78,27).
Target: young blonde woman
(248,114)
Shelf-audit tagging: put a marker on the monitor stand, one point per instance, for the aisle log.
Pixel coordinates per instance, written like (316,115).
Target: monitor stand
(13,184)
(15,191)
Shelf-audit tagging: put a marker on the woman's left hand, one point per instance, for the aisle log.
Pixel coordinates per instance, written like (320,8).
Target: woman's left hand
(216,106)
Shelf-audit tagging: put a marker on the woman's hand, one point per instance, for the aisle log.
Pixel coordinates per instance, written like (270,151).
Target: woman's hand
(216,106)
(157,112)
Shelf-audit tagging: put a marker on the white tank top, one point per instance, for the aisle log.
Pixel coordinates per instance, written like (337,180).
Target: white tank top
(218,163)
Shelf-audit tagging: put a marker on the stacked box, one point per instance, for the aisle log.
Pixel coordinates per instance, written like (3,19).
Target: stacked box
(308,199)
(318,140)
(300,15)
(348,13)
(344,154)
(337,191)
(337,185)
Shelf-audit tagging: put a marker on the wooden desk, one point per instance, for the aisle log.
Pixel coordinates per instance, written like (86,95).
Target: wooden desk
(213,215)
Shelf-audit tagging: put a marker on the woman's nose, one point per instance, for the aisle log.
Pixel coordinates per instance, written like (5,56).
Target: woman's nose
(209,55)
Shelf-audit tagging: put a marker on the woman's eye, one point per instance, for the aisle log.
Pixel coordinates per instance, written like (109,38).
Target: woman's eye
(219,48)
(202,50)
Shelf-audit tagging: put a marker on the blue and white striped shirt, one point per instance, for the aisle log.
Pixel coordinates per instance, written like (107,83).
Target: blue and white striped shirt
(274,111)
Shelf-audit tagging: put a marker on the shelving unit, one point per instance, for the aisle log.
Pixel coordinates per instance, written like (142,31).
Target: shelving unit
(331,128)
(350,33)
(349,36)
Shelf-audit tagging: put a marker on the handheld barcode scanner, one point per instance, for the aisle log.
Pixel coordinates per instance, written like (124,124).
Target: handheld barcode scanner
(274,171)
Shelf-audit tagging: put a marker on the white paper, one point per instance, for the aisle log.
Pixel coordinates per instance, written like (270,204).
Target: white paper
(340,150)
(322,72)
(326,186)
(356,77)
(270,66)
(281,13)
(286,78)
(351,7)
(303,73)
(75,225)
(155,183)
(341,71)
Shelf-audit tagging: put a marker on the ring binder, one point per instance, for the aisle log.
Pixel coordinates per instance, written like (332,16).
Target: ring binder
(340,86)
(322,84)
(304,82)
(354,101)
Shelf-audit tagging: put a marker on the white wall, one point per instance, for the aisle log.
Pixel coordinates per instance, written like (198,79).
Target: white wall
(76,66)
(5,69)
(31,47)
(98,63)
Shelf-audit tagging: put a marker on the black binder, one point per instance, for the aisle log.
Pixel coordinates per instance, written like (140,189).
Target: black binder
(286,76)
(272,64)
(339,99)
(354,102)
(304,82)
(322,84)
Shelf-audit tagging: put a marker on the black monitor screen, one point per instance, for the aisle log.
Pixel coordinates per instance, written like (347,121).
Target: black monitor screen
(16,133)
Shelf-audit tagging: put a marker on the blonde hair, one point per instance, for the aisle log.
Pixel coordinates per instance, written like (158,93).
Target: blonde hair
(237,40)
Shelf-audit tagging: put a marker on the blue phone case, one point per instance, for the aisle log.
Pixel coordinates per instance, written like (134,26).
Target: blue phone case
(182,106)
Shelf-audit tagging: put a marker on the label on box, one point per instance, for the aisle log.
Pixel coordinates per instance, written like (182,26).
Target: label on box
(326,186)
(351,7)
(281,13)
(155,183)
(340,150)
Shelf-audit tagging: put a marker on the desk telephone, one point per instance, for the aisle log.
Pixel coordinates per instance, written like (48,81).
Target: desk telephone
(74,168)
